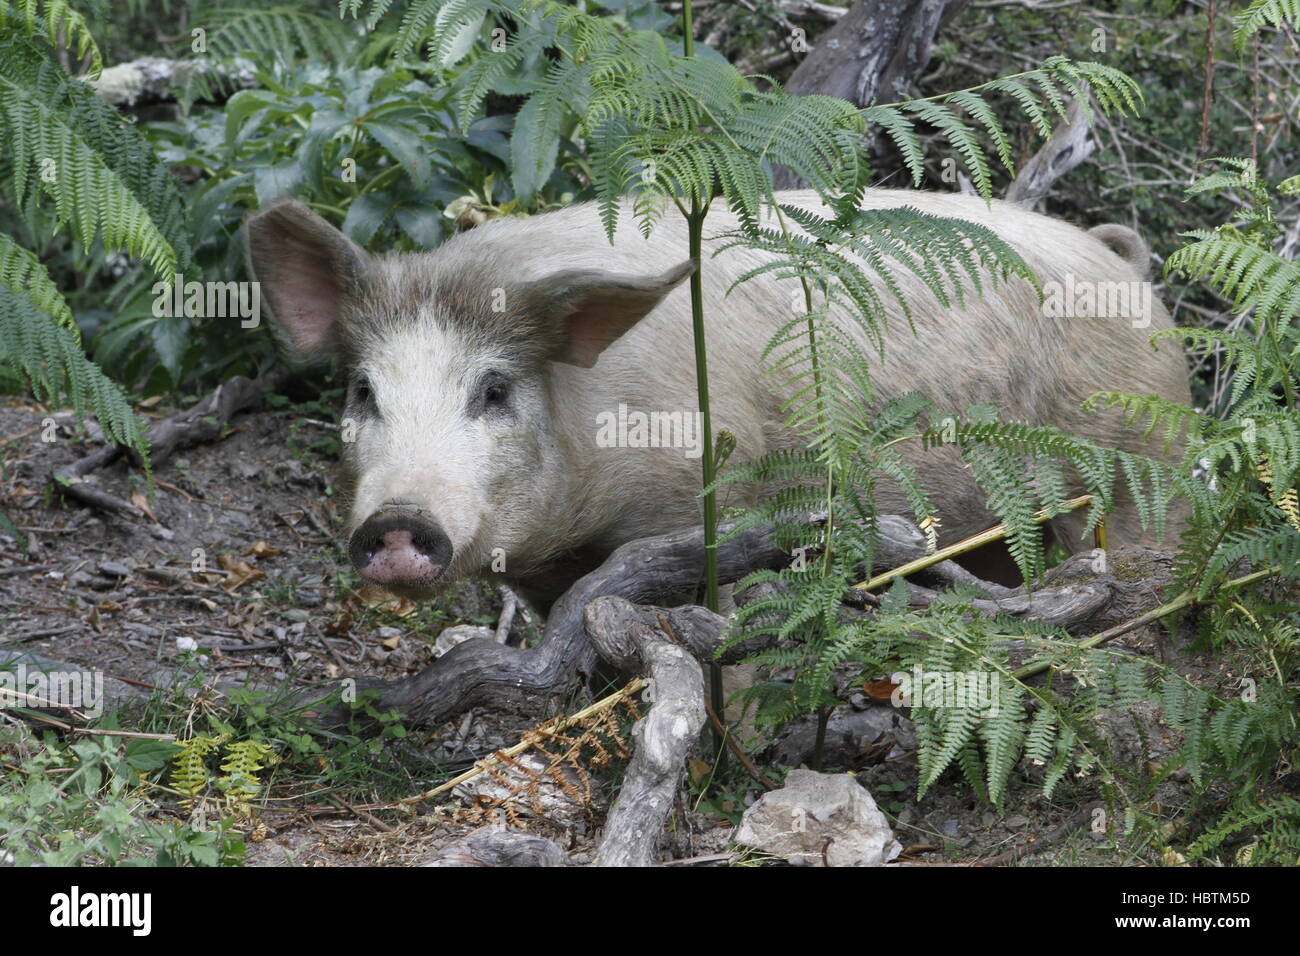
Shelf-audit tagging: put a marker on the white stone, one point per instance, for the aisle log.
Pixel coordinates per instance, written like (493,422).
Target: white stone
(819,819)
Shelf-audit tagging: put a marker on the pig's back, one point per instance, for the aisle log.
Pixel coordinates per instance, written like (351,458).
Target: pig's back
(999,349)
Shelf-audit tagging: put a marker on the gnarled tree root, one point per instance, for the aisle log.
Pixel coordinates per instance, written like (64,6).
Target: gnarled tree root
(1081,595)
(664,737)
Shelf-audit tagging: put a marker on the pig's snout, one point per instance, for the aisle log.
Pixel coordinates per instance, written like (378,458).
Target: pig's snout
(399,546)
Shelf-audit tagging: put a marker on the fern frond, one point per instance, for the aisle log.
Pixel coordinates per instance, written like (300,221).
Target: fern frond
(1265,13)
(104,179)
(49,355)
(56,22)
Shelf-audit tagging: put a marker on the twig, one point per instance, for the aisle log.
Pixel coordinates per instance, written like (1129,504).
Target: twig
(1071,824)
(25,569)
(1207,93)
(763,780)
(1186,599)
(374,821)
(968,544)
(44,632)
(551,727)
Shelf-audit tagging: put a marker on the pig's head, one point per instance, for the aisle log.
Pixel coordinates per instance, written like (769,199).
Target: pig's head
(454,451)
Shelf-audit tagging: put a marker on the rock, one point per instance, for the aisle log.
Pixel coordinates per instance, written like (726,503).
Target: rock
(500,848)
(459,634)
(114,569)
(852,736)
(819,819)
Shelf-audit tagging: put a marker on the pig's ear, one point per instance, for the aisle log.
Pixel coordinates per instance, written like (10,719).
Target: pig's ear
(306,267)
(596,307)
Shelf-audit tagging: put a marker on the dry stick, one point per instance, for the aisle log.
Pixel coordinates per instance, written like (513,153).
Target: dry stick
(44,632)
(553,727)
(199,423)
(738,750)
(1207,94)
(370,818)
(961,547)
(25,569)
(1186,599)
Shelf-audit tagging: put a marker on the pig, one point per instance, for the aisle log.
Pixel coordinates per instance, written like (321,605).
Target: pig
(478,376)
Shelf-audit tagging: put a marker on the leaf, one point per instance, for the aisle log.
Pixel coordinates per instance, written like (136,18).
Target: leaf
(239,573)
(534,146)
(366,214)
(272,182)
(457,40)
(423,224)
(147,755)
(141,501)
(406,147)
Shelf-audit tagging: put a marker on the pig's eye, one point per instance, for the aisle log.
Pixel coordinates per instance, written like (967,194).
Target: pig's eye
(362,393)
(495,394)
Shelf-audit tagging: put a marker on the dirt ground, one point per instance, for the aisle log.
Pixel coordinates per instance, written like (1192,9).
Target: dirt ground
(237,558)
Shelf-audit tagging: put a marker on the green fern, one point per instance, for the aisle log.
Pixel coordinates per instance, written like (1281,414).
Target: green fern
(244,760)
(56,21)
(1265,13)
(102,177)
(107,186)
(190,775)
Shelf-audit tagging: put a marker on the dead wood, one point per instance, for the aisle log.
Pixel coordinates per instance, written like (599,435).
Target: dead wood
(874,53)
(201,423)
(665,737)
(499,847)
(153,79)
(1067,147)
(1088,592)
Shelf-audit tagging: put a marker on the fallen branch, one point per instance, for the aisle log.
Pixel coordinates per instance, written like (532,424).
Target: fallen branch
(200,423)
(153,79)
(481,672)
(1066,148)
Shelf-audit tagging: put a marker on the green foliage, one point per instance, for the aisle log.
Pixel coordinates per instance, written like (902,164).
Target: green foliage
(52,19)
(1247,508)
(1265,13)
(106,186)
(81,804)
(1275,824)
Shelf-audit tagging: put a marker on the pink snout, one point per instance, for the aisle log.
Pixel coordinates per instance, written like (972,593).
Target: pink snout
(399,546)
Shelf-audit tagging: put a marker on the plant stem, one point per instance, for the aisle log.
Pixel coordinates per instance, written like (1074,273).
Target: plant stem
(695,230)
(1186,599)
(819,746)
